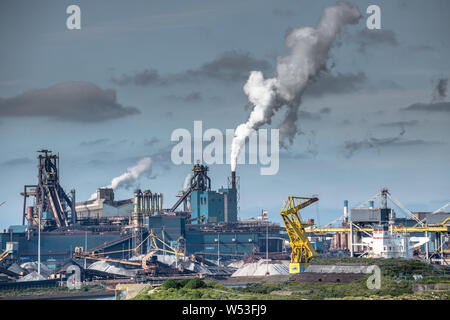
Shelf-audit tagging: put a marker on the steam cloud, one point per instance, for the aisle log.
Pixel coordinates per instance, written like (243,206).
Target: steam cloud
(187,181)
(132,174)
(309,49)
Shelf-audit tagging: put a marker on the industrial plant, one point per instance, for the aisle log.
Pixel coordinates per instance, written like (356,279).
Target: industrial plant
(199,234)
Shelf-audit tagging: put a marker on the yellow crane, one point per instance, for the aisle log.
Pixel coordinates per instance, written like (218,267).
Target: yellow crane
(302,250)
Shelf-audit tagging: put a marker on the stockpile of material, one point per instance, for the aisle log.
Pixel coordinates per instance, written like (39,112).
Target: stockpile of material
(236,264)
(33,276)
(31,267)
(262,268)
(110,268)
(205,266)
(16,269)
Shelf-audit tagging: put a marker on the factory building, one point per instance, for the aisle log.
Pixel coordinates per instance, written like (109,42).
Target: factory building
(206,205)
(104,207)
(215,206)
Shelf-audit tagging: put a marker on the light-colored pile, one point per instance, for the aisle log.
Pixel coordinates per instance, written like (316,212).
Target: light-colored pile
(33,266)
(33,276)
(109,268)
(16,269)
(262,268)
(236,264)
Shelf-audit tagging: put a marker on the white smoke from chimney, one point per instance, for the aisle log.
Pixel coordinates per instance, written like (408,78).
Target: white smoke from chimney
(126,179)
(187,181)
(309,50)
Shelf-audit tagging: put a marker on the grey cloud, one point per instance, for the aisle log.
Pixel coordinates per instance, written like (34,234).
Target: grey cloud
(295,156)
(429,107)
(313,148)
(151,142)
(353,146)
(346,122)
(387,84)
(366,38)
(229,66)
(17,162)
(422,48)
(102,155)
(338,83)
(325,110)
(283,12)
(399,123)
(96,163)
(307,115)
(92,143)
(71,101)
(189,98)
(143,78)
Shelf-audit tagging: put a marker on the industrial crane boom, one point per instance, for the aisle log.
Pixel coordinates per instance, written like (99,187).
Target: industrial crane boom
(80,254)
(302,250)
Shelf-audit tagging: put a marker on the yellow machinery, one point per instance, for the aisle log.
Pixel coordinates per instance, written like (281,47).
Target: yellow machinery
(302,250)
(4,254)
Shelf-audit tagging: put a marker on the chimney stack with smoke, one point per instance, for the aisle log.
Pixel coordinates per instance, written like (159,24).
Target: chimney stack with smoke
(128,178)
(233,179)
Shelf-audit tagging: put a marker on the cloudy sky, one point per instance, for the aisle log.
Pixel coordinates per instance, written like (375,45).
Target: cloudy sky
(113,92)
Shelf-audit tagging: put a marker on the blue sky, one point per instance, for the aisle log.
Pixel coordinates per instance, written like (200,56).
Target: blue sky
(153,66)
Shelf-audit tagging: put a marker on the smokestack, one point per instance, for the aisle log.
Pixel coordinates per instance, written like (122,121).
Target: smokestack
(345,210)
(233,179)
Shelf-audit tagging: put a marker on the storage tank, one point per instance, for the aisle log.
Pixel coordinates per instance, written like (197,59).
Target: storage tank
(160,202)
(146,209)
(30,211)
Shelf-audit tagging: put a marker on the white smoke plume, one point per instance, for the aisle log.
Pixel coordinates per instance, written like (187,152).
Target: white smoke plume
(187,181)
(126,179)
(309,50)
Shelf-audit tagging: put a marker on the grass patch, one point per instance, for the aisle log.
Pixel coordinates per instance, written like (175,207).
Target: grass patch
(50,291)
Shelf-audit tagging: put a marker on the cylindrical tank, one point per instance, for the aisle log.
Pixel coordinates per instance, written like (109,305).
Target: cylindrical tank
(160,201)
(30,213)
(141,201)
(136,201)
(155,201)
(146,208)
(150,203)
(346,210)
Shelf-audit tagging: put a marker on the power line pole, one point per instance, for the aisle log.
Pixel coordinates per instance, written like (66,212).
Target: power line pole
(39,243)
(218,249)
(267,247)
(85,247)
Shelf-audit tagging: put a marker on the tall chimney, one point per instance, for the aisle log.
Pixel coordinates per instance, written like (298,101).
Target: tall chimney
(233,179)
(345,210)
